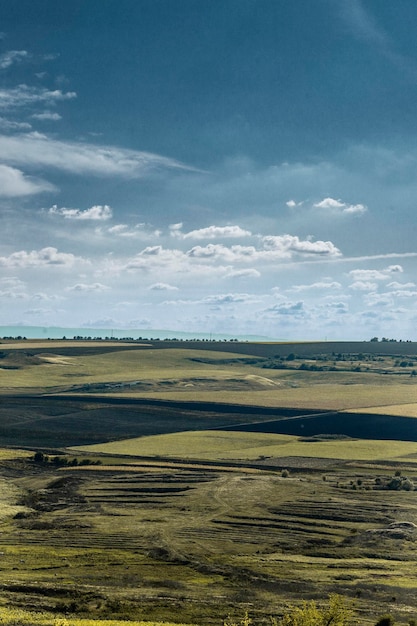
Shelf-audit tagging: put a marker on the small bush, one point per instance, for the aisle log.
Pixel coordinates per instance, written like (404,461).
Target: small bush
(385,620)
(337,613)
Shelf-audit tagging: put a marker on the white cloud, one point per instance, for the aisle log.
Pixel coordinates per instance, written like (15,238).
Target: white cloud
(338,205)
(139,231)
(404,293)
(88,288)
(228,298)
(210,232)
(118,229)
(294,309)
(81,158)
(12,56)
(371,275)
(220,252)
(286,245)
(7,124)
(162,287)
(363,285)
(247,273)
(379,299)
(13,295)
(95,213)
(47,115)
(14,183)
(23,95)
(38,258)
(318,285)
(397,285)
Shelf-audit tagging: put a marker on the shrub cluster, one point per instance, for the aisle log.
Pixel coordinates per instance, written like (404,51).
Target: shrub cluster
(62,461)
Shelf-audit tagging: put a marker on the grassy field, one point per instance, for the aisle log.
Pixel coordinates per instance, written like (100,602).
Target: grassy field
(237,446)
(185,523)
(193,543)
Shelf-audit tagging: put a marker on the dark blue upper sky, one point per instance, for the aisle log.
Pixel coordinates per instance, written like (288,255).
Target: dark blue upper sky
(273,80)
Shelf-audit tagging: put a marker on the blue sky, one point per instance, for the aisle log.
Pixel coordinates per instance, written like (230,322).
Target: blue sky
(232,166)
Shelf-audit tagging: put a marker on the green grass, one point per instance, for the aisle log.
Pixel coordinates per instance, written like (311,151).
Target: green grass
(234,446)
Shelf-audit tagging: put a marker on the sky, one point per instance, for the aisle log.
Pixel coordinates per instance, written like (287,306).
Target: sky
(242,167)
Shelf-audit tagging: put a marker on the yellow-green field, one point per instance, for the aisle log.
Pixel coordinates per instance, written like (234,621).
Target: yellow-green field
(238,446)
(181,374)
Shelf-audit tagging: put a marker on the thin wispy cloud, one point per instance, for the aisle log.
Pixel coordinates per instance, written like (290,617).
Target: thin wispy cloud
(24,95)
(35,149)
(50,116)
(364,25)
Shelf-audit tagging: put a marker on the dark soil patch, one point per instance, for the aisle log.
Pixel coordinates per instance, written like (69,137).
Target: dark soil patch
(355,425)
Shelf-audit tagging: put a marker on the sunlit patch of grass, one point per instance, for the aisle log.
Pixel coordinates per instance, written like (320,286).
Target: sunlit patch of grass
(219,445)
(402,410)
(325,390)
(197,444)
(10,454)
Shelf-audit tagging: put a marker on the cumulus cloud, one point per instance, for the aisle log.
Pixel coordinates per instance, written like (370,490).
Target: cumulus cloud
(96,213)
(38,258)
(286,245)
(295,309)
(339,206)
(12,56)
(210,232)
(14,183)
(80,158)
(222,259)
(364,285)
(213,251)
